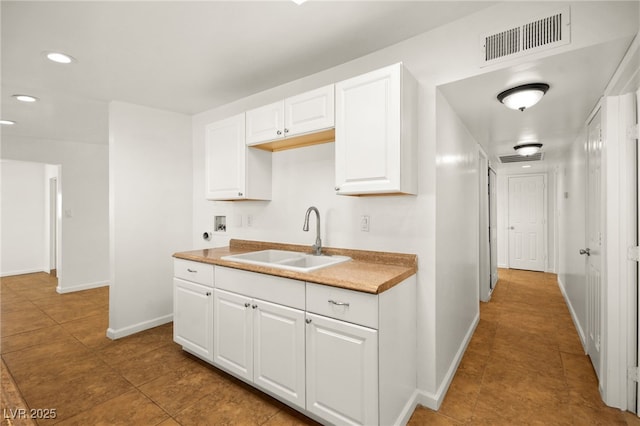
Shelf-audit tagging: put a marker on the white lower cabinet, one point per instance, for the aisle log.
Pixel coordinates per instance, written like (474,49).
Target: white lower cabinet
(342,357)
(342,371)
(193,317)
(261,342)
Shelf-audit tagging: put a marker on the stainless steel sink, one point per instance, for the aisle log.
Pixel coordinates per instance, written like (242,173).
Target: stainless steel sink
(290,260)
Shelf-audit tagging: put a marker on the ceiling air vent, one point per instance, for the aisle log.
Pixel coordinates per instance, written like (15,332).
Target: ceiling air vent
(517,158)
(532,36)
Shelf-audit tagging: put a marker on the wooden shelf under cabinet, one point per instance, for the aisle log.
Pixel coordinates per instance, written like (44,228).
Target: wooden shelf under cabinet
(316,138)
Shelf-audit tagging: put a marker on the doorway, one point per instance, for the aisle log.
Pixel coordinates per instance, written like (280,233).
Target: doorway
(527,222)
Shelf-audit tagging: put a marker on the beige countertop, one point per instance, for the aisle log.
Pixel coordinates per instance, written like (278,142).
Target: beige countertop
(368,271)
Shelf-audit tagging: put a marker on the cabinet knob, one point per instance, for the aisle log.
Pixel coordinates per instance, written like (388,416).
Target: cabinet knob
(246,305)
(337,188)
(286,130)
(239,194)
(254,306)
(308,320)
(208,293)
(278,132)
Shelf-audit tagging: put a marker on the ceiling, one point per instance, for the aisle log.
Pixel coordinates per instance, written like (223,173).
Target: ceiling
(577,80)
(183,56)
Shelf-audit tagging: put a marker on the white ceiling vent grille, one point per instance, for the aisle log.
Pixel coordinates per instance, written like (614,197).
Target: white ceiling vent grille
(517,158)
(533,36)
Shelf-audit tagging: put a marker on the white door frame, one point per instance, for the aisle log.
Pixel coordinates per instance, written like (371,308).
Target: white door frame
(545,213)
(619,233)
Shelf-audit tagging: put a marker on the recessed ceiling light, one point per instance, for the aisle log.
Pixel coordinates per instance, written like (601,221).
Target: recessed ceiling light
(7,122)
(61,58)
(25,98)
(526,166)
(524,96)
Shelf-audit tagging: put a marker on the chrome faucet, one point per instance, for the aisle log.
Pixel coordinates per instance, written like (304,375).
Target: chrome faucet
(317,247)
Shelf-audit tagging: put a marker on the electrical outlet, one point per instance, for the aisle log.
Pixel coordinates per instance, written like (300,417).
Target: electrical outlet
(364,223)
(249,220)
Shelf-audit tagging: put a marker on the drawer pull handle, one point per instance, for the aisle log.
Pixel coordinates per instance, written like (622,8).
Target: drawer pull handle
(254,306)
(333,302)
(246,305)
(193,271)
(208,293)
(308,320)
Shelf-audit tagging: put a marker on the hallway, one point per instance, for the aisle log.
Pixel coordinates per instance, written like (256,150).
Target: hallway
(524,365)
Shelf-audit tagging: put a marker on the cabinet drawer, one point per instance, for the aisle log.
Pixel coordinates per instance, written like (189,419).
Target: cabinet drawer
(270,288)
(346,305)
(193,271)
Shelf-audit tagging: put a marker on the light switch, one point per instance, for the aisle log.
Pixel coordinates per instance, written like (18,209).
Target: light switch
(364,223)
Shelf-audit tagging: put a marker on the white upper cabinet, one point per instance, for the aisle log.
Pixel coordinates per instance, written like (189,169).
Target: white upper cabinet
(376,133)
(308,112)
(265,123)
(233,171)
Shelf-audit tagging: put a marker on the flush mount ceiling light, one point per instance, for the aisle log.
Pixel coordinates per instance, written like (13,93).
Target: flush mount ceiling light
(527,149)
(59,57)
(25,98)
(522,97)
(298,2)
(7,122)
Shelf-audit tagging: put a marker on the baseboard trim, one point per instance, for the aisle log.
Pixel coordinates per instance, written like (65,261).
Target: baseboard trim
(114,334)
(574,317)
(22,272)
(88,286)
(408,409)
(433,401)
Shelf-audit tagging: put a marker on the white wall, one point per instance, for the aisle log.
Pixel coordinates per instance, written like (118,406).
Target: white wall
(304,177)
(572,235)
(457,239)
(84,245)
(150,201)
(23,212)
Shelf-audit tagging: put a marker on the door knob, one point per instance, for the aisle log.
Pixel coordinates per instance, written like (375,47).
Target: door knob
(586,251)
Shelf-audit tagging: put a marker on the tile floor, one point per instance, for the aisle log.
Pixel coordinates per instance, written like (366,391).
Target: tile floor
(524,365)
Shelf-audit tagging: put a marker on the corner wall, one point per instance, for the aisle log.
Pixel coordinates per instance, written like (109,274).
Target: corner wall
(150,203)
(84,245)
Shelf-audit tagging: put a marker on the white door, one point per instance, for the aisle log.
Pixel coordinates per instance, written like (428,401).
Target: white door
(226,159)
(368,132)
(592,250)
(342,371)
(310,111)
(279,351)
(193,317)
(265,123)
(233,333)
(526,222)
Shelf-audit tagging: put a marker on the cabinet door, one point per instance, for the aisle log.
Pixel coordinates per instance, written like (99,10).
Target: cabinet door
(368,133)
(342,371)
(279,351)
(226,159)
(265,123)
(233,333)
(193,317)
(310,111)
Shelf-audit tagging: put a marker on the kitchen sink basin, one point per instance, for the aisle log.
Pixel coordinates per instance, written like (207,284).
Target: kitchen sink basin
(283,259)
